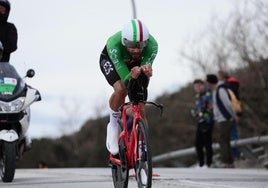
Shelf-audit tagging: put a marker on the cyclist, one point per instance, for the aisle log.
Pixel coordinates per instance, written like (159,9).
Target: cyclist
(126,55)
(8,31)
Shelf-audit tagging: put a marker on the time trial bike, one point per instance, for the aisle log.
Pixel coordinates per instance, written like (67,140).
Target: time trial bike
(134,145)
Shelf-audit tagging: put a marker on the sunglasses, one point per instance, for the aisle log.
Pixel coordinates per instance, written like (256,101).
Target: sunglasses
(132,44)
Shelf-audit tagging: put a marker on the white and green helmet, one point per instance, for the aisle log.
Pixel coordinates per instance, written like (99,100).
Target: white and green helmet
(135,34)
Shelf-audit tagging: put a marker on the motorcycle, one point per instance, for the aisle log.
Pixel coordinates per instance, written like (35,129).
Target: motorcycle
(15,100)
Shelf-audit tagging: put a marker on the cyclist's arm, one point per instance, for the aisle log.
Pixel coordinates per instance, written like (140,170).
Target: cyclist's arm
(115,51)
(150,52)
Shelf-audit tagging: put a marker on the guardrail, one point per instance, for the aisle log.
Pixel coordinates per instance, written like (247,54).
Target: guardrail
(254,148)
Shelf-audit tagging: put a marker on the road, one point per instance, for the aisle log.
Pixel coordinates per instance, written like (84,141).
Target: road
(168,178)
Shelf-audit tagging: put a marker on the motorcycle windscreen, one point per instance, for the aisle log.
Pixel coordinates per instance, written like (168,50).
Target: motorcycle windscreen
(11,84)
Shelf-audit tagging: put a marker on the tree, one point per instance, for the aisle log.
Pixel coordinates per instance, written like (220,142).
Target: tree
(239,41)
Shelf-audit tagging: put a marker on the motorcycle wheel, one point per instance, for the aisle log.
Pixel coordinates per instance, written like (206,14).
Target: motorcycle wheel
(8,161)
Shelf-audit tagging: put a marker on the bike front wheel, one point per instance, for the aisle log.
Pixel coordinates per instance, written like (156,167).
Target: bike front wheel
(143,164)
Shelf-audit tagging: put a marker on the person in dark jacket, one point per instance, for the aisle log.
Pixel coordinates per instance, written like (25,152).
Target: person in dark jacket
(8,31)
(203,114)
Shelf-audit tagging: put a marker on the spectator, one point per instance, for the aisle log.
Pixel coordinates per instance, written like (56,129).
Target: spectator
(224,116)
(233,84)
(8,31)
(203,115)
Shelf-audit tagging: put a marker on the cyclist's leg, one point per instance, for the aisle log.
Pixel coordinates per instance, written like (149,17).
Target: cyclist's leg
(118,96)
(116,99)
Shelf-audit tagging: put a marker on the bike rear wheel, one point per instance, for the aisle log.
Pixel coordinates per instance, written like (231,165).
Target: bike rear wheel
(120,173)
(143,165)
(120,176)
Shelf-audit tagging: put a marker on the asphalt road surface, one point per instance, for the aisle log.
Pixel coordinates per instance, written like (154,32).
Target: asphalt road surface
(163,178)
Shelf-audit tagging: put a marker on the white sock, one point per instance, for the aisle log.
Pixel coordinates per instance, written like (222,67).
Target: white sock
(113,117)
(112,133)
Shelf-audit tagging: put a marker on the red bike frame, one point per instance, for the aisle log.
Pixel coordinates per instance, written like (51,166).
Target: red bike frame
(129,139)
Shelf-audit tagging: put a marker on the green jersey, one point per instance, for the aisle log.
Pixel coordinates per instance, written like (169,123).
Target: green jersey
(119,54)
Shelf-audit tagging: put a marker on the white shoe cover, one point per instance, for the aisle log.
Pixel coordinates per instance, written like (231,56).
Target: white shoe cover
(112,139)
(143,177)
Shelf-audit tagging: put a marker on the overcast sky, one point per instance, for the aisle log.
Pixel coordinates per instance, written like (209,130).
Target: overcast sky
(62,41)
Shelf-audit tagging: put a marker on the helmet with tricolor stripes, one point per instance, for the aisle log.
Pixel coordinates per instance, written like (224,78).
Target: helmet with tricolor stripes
(135,34)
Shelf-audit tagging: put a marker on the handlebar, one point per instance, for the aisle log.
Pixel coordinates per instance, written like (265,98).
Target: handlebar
(157,105)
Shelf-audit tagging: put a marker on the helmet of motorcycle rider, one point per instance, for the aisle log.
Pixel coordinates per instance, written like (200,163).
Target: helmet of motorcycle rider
(1,50)
(4,17)
(135,34)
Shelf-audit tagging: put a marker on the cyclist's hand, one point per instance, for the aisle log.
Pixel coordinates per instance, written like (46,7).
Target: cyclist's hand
(147,70)
(135,72)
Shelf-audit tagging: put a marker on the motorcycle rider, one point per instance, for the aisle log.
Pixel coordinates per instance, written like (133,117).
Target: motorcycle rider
(127,54)
(8,31)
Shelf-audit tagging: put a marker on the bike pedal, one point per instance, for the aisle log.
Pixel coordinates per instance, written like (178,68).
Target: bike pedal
(111,164)
(114,160)
(116,156)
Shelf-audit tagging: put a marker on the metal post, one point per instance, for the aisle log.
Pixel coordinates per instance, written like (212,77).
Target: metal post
(134,9)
